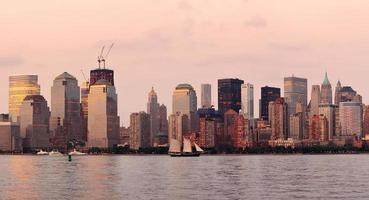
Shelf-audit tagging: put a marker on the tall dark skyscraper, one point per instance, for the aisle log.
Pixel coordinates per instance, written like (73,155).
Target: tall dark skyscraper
(268,94)
(229,95)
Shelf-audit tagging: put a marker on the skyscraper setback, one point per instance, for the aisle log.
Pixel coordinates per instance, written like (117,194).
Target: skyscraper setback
(229,95)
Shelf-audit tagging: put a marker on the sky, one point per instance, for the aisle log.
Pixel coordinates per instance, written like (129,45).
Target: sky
(162,43)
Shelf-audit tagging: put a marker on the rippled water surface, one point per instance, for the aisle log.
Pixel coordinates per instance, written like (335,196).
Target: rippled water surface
(207,177)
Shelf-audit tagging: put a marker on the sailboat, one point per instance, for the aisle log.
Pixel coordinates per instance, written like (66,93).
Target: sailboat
(177,150)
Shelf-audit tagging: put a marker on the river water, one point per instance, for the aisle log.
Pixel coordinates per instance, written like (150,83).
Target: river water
(207,177)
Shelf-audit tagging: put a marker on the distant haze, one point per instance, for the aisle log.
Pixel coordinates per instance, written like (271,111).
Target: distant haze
(162,43)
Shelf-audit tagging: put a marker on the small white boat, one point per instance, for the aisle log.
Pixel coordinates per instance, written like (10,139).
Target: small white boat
(42,153)
(55,153)
(76,153)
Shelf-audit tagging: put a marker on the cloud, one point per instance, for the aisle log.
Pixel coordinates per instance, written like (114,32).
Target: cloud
(11,61)
(256,22)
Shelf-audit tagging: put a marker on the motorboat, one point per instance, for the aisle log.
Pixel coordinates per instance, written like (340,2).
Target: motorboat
(76,153)
(55,153)
(42,153)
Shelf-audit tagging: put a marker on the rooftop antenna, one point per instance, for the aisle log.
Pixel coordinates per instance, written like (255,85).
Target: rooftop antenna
(107,54)
(100,57)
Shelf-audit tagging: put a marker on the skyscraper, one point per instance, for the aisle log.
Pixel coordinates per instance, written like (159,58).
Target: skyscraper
(178,127)
(229,95)
(318,128)
(278,119)
(85,89)
(65,108)
(103,120)
(19,87)
(209,119)
(351,118)
(140,134)
(326,95)
(163,125)
(34,122)
(295,90)
(206,96)
(185,103)
(337,94)
(315,100)
(268,94)
(247,100)
(153,111)
(329,111)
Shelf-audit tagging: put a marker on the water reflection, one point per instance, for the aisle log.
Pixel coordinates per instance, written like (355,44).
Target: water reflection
(162,177)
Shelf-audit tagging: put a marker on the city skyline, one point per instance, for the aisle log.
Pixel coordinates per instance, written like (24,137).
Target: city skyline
(254,38)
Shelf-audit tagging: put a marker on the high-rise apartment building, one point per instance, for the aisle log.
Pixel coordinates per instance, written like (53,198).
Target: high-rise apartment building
(103,119)
(268,94)
(318,128)
(21,86)
(206,96)
(209,121)
(229,95)
(247,100)
(329,111)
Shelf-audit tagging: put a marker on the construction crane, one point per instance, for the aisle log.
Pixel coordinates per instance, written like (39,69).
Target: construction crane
(107,54)
(100,57)
(83,74)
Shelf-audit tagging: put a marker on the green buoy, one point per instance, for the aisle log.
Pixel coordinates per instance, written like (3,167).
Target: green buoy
(69,158)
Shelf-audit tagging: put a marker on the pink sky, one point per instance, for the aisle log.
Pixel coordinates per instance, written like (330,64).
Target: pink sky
(166,42)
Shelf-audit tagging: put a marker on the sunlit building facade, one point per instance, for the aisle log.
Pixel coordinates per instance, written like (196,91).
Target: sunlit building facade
(278,119)
(140,133)
(21,86)
(103,120)
(351,118)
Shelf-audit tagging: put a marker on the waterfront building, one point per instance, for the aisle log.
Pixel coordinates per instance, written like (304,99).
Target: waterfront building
(153,110)
(278,119)
(65,119)
(351,118)
(103,119)
(124,138)
(234,129)
(329,111)
(229,95)
(34,122)
(318,128)
(206,96)
(247,100)
(326,95)
(21,86)
(140,133)
(315,100)
(268,94)
(185,102)
(10,139)
(209,120)
(296,126)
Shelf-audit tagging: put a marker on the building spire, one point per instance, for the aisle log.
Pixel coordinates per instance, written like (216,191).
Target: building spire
(326,80)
